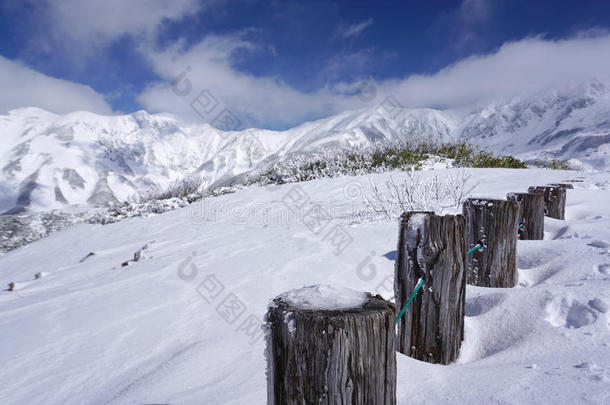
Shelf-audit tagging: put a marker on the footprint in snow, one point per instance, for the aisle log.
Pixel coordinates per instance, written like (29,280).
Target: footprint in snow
(574,284)
(596,373)
(604,268)
(570,313)
(561,232)
(599,304)
(601,244)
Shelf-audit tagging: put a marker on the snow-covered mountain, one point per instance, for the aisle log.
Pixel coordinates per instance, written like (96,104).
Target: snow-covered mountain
(48,161)
(568,124)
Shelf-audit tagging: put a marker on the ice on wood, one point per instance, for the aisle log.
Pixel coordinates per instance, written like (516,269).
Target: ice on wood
(324,297)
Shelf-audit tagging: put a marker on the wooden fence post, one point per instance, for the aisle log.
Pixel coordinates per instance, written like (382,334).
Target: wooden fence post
(531,215)
(493,224)
(433,248)
(554,200)
(330,356)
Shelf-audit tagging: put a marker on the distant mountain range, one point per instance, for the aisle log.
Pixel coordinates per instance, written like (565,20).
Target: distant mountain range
(49,161)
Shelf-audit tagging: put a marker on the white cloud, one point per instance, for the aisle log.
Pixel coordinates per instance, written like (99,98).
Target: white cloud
(354,30)
(518,68)
(255,100)
(522,67)
(23,87)
(78,31)
(94,21)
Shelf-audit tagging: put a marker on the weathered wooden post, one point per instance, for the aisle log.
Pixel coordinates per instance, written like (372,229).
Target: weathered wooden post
(330,346)
(433,248)
(491,236)
(531,215)
(554,200)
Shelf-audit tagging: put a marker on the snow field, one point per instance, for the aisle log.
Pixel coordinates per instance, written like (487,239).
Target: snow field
(181,325)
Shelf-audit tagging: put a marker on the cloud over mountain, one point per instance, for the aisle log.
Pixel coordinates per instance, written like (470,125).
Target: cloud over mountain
(519,68)
(22,86)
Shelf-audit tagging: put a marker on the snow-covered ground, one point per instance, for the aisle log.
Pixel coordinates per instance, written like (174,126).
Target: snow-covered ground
(182,325)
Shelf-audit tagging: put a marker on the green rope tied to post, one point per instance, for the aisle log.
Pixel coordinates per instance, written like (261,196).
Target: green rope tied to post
(404,309)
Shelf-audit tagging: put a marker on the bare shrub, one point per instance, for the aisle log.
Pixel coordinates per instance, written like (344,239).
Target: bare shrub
(433,193)
(459,187)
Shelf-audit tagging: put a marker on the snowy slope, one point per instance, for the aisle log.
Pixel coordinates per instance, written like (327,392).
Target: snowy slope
(49,161)
(98,333)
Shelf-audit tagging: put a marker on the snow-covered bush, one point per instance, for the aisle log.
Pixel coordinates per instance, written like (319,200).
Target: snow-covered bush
(333,162)
(379,157)
(189,187)
(553,164)
(416,192)
(19,230)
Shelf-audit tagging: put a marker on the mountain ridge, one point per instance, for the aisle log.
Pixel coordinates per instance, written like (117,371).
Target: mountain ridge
(48,161)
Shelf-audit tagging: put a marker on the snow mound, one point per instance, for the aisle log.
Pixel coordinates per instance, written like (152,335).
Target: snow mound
(324,297)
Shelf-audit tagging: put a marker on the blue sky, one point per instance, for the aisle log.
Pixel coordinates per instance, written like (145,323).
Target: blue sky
(275,64)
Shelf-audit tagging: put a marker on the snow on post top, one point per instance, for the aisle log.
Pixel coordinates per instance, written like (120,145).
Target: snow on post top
(324,297)
(416,223)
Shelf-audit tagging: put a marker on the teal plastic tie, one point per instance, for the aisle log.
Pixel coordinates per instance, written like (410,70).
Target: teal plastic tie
(476,247)
(404,309)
